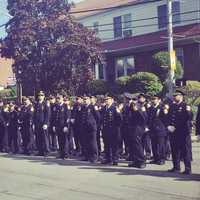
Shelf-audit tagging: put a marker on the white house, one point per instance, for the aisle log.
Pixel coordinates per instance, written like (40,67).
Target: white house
(133,30)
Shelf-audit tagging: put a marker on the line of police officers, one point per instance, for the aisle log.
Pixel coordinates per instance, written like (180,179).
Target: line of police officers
(137,128)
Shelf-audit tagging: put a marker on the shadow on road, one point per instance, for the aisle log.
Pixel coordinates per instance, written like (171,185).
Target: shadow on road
(120,170)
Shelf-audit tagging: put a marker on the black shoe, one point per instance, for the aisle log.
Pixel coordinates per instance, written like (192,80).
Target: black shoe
(153,162)
(160,162)
(106,162)
(39,154)
(115,163)
(174,170)
(132,165)
(142,166)
(187,172)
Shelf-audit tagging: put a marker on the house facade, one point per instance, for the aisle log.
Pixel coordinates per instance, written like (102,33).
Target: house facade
(132,31)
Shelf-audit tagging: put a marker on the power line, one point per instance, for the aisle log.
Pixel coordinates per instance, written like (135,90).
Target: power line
(149,18)
(190,20)
(137,20)
(147,25)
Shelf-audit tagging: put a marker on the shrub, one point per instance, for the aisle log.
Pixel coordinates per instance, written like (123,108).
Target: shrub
(97,87)
(162,63)
(144,82)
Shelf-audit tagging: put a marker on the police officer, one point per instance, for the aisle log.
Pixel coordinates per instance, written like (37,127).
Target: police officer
(198,121)
(124,129)
(137,124)
(62,122)
(27,112)
(111,117)
(52,132)
(146,140)
(180,127)
(41,122)
(2,126)
(98,110)
(13,128)
(89,120)
(76,121)
(158,130)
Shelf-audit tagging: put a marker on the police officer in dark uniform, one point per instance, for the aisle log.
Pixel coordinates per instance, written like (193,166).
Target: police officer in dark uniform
(89,120)
(111,117)
(137,124)
(198,121)
(180,127)
(27,113)
(158,130)
(146,140)
(124,129)
(13,128)
(41,121)
(76,121)
(62,122)
(98,110)
(52,132)
(2,126)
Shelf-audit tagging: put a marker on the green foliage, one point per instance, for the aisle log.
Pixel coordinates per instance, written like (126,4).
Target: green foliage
(49,48)
(97,87)
(10,92)
(144,82)
(121,84)
(162,63)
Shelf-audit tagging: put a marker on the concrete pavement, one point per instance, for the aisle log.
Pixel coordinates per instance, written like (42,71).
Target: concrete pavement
(38,178)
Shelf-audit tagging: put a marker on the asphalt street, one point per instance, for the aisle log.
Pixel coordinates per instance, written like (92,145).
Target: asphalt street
(38,178)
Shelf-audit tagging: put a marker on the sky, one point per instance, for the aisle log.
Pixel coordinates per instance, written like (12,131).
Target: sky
(4,17)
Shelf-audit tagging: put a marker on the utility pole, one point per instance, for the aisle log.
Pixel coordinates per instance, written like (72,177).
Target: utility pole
(171,49)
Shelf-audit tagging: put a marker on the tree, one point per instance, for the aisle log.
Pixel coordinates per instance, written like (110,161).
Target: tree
(144,82)
(162,63)
(51,51)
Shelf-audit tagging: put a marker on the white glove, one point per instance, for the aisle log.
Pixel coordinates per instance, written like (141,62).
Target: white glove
(65,129)
(54,129)
(45,127)
(171,129)
(146,129)
(72,121)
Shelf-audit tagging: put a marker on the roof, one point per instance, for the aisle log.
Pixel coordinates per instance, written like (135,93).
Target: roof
(154,38)
(99,4)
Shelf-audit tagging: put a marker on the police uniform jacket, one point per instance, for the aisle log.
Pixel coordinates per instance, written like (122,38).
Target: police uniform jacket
(42,113)
(156,121)
(181,118)
(89,118)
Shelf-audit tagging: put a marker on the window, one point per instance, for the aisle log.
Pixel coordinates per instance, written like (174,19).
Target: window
(127,21)
(163,12)
(180,55)
(122,26)
(117,26)
(125,66)
(96,27)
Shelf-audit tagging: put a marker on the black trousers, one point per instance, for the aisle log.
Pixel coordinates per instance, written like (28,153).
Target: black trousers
(27,138)
(181,147)
(13,139)
(124,136)
(42,139)
(111,137)
(2,137)
(53,140)
(158,147)
(62,142)
(136,145)
(146,143)
(77,135)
